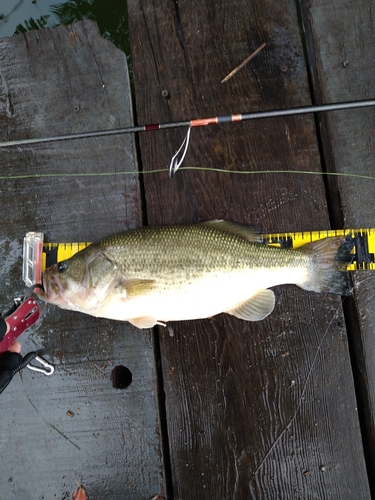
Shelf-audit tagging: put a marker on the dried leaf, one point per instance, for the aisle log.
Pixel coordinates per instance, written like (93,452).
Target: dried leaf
(80,494)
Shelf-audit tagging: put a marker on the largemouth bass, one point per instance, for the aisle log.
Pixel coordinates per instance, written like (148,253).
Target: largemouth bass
(152,275)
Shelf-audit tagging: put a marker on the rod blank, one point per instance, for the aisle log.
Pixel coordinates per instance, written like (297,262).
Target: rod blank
(196,123)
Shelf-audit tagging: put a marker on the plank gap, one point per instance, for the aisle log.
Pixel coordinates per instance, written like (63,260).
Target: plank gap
(357,358)
(336,212)
(163,426)
(332,191)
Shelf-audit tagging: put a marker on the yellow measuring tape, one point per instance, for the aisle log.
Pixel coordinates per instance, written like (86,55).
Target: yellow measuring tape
(363,251)
(37,254)
(58,252)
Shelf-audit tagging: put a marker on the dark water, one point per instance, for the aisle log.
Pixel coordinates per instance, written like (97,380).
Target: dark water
(18,16)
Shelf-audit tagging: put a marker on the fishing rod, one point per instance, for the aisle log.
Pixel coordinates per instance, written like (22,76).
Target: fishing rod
(199,122)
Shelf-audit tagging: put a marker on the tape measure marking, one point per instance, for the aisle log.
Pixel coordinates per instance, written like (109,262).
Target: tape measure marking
(363,251)
(56,252)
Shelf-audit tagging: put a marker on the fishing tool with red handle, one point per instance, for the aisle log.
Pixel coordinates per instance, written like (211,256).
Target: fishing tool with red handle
(23,314)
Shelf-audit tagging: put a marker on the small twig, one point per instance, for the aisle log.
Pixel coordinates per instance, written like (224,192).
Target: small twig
(243,63)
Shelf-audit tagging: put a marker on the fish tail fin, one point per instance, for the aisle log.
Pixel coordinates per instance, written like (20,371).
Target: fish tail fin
(329,260)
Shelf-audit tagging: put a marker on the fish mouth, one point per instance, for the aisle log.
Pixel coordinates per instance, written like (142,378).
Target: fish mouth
(37,288)
(50,288)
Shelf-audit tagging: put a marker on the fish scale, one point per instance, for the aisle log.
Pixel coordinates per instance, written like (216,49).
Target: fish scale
(197,248)
(152,275)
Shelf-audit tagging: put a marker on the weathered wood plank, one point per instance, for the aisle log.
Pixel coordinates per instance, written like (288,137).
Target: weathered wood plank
(262,410)
(55,81)
(340,41)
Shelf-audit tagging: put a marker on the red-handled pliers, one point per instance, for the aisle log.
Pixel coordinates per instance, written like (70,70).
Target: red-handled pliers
(23,314)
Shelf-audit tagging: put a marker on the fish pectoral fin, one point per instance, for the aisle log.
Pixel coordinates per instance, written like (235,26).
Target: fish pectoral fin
(135,287)
(144,322)
(257,307)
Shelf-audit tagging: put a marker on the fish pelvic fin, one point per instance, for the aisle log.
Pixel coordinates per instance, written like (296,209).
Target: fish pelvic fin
(328,272)
(256,308)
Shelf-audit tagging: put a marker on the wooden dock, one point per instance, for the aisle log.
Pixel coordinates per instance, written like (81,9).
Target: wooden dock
(218,408)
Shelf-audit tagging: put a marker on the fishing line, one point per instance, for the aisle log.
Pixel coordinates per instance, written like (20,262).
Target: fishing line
(199,122)
(301,396)
(203,169)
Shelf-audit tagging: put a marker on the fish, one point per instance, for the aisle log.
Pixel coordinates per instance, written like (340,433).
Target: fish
(152,275)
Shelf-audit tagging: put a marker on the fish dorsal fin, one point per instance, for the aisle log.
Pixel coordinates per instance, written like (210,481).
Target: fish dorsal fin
(135,287)
(257,307)
(245,232)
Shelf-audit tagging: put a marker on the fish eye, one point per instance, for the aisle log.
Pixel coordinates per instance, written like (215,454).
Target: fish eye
(62,266)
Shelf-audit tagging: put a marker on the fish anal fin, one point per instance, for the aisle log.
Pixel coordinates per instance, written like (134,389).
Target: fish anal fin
(256,308)
(143,322)
(245,232)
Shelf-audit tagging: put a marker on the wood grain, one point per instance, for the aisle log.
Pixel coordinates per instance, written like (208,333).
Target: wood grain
(340,54)
(254,410)
(73,425)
